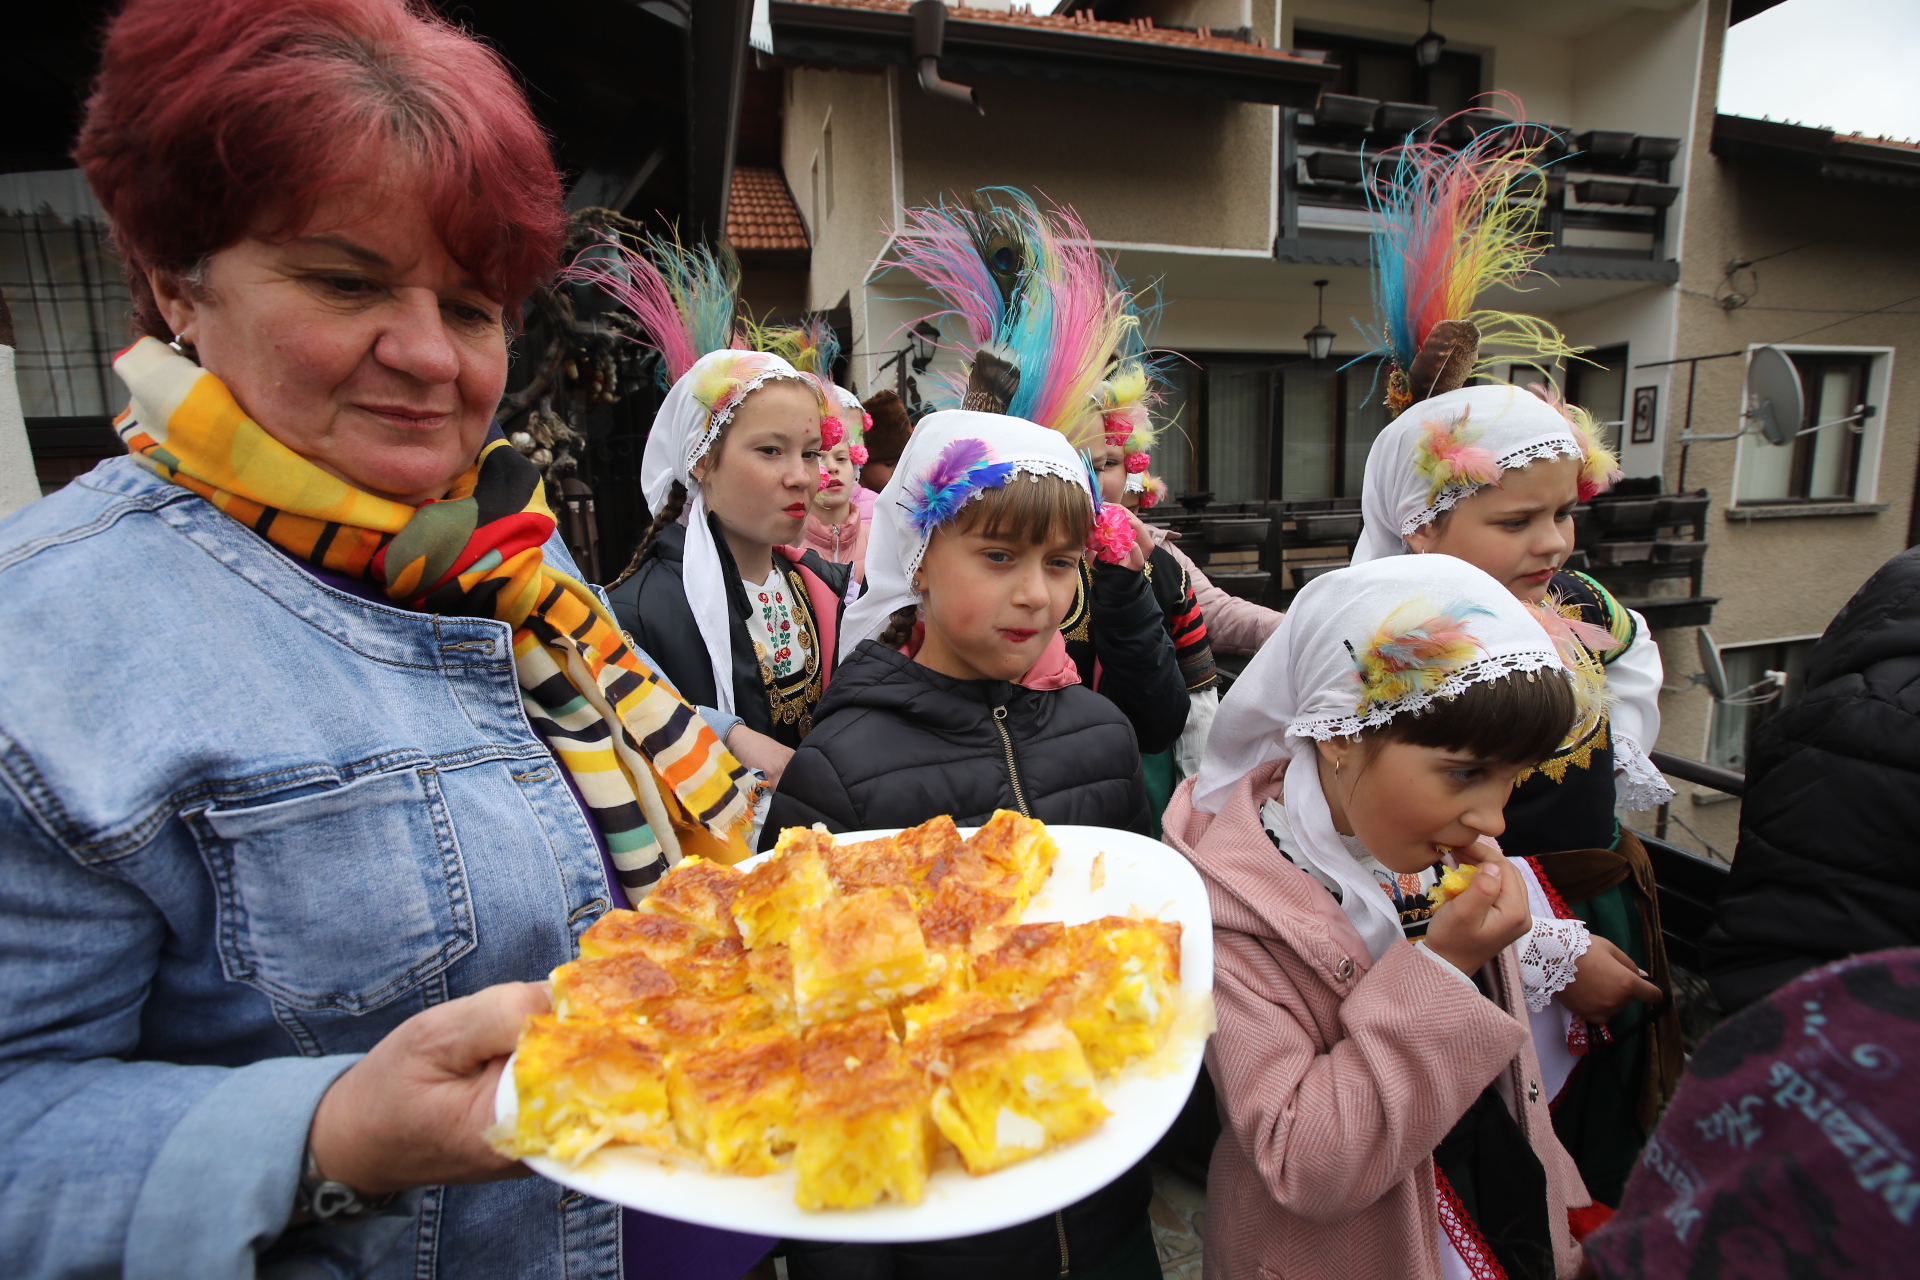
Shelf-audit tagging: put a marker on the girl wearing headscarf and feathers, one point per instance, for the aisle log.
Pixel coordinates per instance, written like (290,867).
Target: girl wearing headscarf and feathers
(737,620)
(1042,327)
(1374,1060)
(837,518)
(1490,474)
(954,696)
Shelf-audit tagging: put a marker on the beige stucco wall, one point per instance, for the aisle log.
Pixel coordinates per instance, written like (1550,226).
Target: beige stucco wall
(1141,168)
(849,229)
(1784,578)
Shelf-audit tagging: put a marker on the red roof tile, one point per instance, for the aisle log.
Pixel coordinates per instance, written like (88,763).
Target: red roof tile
(761,212)
(1084,23)
(1900,144)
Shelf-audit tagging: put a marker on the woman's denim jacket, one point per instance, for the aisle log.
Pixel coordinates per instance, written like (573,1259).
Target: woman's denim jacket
(248,824)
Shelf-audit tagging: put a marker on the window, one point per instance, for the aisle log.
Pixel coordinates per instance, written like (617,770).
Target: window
(815,214)
(826,167)
(1823,466)
(1600,388)
(68,294)
(1388,71)
(1730,734)
(1258,428)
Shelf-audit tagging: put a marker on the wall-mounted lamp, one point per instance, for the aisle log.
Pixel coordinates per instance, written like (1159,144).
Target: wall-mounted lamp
(923,336)
(1320,338)
(1426,50)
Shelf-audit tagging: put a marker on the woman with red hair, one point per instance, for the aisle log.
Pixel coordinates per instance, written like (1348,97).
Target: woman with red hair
(285,842)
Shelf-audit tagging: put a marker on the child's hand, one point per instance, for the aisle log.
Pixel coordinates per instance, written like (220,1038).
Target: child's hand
(1487,916)
(1142,544)
(1607,981)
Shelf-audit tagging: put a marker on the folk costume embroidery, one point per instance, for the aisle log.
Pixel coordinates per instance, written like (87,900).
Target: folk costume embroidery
(786,644)
(1567,800)
(655,780)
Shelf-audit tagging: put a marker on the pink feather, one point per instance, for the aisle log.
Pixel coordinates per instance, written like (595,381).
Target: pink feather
(638,286)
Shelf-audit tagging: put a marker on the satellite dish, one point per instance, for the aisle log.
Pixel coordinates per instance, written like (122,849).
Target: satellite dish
(1712,669)
(1774,398)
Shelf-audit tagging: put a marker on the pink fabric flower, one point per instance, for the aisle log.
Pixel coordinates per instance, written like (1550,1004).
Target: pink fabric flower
(858,452)
(1138,462)
(866,421)
(1112,536)
(831,432)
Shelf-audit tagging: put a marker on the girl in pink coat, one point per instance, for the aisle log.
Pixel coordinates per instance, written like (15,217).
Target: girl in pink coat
(1383,1109)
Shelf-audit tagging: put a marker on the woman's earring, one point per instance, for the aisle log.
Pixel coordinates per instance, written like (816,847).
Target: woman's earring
(1336,767)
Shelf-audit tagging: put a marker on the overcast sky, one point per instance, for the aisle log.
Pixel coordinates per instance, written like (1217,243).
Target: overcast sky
(1850,65)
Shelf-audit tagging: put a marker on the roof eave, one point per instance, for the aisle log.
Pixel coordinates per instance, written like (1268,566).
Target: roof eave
(1815,151)
(828,35)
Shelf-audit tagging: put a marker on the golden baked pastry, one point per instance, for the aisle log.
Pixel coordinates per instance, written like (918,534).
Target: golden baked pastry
(733,1100)
(775,894)
(1009,1082)
(756,1020)
(1452,883)
(862,1131)
(581,1085)
(858,953)
(699,892)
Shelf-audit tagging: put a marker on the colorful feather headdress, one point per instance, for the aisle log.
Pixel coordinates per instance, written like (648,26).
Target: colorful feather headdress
(963,469)
(1599,468)
(1029,285)
(1447,453)
(1407,659)
(685,300)
(1449,225)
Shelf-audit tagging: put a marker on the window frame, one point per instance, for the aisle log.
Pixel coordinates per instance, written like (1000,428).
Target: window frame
(1200,363)
(1775,708)
(1869,445)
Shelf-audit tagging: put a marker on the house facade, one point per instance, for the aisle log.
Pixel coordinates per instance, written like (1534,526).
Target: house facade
(1215,148)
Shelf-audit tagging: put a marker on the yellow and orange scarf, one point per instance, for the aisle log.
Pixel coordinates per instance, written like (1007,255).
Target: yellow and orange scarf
(616,727)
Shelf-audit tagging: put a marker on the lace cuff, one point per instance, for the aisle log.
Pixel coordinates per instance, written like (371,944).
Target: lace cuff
(1547,961)
(1637,785)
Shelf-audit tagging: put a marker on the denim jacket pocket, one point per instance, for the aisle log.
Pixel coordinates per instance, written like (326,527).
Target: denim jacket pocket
(341,901)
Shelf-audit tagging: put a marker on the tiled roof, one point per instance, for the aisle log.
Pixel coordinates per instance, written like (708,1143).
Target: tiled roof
(761,212)
(1084,23)
(1899,144)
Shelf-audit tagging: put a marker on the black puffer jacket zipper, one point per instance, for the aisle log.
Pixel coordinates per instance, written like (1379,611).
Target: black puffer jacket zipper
(1020,799)
(1060,1225)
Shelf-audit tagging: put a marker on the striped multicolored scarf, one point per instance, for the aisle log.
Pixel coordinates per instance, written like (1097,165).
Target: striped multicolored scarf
(616,727)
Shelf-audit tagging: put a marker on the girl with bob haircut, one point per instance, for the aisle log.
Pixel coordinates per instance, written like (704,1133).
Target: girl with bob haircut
(286,844)
(1383,1106)
(955,695)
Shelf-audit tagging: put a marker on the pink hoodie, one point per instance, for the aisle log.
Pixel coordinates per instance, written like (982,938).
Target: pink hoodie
(844,543)
(1338,1075)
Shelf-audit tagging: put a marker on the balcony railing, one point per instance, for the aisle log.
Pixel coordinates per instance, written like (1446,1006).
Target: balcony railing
(1605,195)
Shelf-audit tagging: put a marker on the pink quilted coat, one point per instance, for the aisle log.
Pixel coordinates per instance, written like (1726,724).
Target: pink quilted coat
(1338,1076)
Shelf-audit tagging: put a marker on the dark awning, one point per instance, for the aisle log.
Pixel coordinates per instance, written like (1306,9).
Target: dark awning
(1848,157)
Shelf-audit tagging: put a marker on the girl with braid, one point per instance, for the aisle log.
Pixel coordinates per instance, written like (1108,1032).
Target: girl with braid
(735,617)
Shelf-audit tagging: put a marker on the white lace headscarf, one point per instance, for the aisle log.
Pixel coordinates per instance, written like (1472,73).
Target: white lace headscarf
(896,544)
(697,408)
(1320,676)
(1441,450)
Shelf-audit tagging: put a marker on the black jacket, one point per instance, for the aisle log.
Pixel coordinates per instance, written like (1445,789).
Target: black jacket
(652,607)
(896,743)
(1828,863)
(1116,619)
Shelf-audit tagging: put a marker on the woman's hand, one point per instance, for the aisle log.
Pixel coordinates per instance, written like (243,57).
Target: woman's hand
(1608,980)
(757,751)
(1490,913)
(413,1111)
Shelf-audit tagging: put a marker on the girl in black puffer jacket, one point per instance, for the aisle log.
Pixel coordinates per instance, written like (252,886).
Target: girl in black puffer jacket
(973,562)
